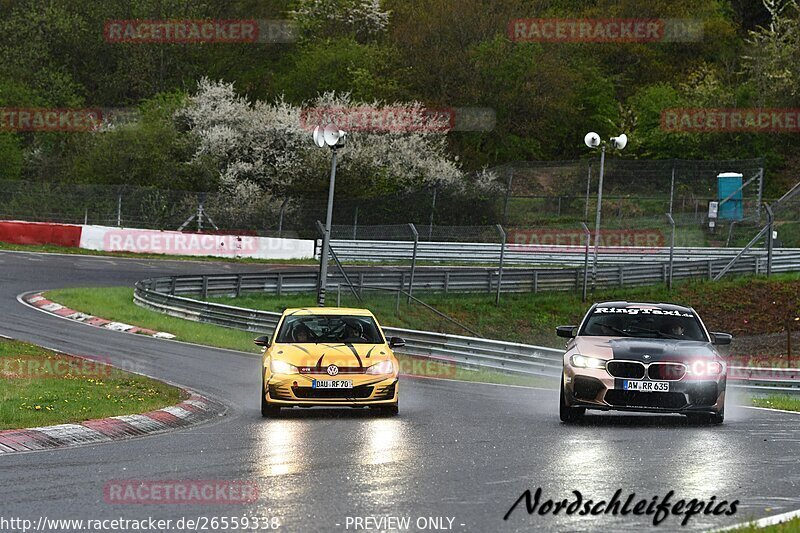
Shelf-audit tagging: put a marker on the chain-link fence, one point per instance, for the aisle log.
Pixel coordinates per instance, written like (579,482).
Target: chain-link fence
(554,197)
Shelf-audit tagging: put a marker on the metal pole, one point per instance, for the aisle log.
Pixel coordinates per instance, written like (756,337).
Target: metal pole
(433,209)
(355,223)
(597,219)
(586,260)
(500,269)
(588,188)
(771,226)
(671,250)
(86,217)
(760,192)
(415,233)
(119,210)
(200,202)
(672,187)
(508,196)
(326,239)
(338,295)
(280,217)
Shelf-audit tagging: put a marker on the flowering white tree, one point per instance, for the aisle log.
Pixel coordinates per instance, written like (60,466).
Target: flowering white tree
(268,146)
(364,18)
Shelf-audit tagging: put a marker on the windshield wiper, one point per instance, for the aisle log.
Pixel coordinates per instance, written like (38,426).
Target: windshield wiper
(654,332)
(616,330)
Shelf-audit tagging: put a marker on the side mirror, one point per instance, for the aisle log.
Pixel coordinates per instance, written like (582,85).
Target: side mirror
(263,340)
(721,338)
(397,342)
(567,332)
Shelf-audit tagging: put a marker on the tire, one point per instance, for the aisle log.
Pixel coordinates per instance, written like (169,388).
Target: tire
(565,412)
(706,419)
(391,410)
(267,410)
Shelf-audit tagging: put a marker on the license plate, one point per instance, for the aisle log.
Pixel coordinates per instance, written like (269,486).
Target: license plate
(332,384)
(646,386)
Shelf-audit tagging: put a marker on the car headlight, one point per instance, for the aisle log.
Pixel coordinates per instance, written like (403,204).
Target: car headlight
(282,367)
(582,361)
(702,368)
(384,367)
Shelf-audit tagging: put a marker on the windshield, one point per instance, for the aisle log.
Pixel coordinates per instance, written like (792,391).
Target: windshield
(646,322)
(348,329)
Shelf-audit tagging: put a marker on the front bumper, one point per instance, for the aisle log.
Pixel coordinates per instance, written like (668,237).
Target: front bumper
(597,389)
(296,390)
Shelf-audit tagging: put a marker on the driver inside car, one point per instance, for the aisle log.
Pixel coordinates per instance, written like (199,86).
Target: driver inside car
(301,333)
(353,332)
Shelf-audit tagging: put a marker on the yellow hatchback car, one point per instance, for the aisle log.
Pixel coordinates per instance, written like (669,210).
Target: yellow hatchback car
(329,356)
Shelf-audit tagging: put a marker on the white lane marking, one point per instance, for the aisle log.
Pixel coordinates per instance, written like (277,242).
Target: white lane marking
(764,522)
(226,264)
(770,409)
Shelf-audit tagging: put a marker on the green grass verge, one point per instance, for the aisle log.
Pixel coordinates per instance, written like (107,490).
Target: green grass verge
(116,303)
(783,402)
(790,526)
(42,388)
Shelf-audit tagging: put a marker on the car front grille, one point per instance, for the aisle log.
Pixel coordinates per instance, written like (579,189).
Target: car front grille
(663,400)
(359,392)
(625,369)
(666,371)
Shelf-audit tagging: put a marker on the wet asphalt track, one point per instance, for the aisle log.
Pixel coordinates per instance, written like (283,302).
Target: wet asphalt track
(457,449)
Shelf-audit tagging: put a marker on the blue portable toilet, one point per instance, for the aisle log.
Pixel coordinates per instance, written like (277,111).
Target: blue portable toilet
(727,183)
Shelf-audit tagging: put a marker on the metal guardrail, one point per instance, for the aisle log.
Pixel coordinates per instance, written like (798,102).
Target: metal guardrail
(455,349)
(519,254)
(161,294)
(467,279)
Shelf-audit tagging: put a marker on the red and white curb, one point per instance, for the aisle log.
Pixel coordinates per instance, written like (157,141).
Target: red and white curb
(192,411)
(42,303)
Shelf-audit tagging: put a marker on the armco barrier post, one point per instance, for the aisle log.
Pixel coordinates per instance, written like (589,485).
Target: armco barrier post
(415,233)
(502,256)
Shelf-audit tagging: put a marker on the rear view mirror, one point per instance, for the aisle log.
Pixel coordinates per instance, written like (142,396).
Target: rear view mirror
(397,342)
(567,331)
(721,338)
(263,340)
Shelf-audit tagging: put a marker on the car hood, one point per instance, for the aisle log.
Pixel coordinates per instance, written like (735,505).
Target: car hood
(635,349)
(321,355)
